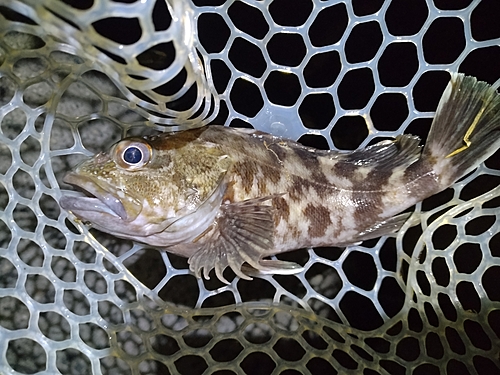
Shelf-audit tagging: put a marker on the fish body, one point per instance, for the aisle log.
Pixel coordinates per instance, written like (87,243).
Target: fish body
(232,197)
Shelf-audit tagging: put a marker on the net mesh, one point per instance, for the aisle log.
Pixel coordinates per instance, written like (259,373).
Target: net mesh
(76,76)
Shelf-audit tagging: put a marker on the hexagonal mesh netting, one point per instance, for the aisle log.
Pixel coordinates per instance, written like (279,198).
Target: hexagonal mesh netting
(77,75)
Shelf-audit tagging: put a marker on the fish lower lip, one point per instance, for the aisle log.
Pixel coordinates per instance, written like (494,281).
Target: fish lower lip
(85,204)
(102,200)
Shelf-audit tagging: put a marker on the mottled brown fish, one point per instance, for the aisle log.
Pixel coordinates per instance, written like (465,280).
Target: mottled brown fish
(232,197)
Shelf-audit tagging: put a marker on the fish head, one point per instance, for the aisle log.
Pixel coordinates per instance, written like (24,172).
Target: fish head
(144,186)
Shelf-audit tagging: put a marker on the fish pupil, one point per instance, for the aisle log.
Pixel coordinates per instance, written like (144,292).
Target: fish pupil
(132,155)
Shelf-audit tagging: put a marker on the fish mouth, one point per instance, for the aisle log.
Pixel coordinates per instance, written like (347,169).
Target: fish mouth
(103,200)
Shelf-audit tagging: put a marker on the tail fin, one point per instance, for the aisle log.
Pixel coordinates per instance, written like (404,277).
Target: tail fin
(465,130)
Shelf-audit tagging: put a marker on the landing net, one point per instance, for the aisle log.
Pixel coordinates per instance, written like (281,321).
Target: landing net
(76,76)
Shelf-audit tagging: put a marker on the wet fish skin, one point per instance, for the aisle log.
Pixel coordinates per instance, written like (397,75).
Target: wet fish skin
(226,197)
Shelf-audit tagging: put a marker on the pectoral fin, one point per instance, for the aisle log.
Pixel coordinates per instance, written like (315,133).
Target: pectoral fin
(243,233)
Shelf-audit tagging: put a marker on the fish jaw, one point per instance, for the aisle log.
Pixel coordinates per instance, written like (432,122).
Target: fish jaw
(107,202)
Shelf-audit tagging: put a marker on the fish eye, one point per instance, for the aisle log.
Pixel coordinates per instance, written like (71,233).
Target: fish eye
(132,154)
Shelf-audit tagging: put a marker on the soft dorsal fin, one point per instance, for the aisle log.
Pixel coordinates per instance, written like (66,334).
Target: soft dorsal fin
(401,152)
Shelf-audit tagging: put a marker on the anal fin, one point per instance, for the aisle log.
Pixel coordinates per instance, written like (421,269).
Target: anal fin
(381,228)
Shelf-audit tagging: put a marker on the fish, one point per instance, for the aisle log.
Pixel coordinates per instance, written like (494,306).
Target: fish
(232,198)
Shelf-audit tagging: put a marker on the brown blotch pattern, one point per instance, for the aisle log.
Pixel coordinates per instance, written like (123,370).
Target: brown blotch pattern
(418,169)
(320,178)
(300,189)
(319,220)
(247,171)
(377,179)
(344,169)
(262,185)
(271,173)
(323,189)
(296,188)
(367,207)
(282,210)
(368,196)
(311,161)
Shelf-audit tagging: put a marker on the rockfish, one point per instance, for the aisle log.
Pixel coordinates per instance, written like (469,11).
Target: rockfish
(224,197)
